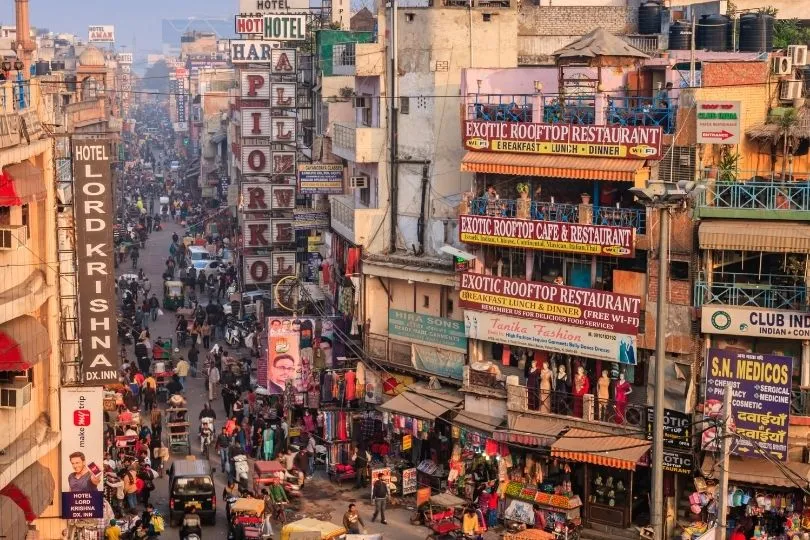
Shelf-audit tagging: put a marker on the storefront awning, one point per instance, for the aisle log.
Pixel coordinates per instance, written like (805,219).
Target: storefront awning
(760,472)
(578,168)
(531,430)
(410,403)
(31,490)
(23,343)
(478,422)
(20,184)
(613,451)
(768,236)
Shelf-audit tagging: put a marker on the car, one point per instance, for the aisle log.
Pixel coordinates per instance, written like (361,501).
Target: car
(191,483)
(209,265)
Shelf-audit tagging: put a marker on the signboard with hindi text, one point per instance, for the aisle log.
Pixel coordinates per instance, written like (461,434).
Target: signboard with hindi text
(584,140)
(755,322)
(760,410)
(548,235)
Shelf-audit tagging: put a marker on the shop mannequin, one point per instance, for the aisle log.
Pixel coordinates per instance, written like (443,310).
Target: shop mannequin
(561,390)
(546,384)
(603,394)
(621,392)
(532,386)
(582,385)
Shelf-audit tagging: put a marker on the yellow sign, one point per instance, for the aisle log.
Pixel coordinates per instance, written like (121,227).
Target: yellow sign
(313,242)
(530,243)
(565,149)
(535,306)
(407,441)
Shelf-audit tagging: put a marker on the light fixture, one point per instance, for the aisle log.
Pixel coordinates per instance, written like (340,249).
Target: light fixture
(6,65)
(18,65)
(538,86)
(479,81)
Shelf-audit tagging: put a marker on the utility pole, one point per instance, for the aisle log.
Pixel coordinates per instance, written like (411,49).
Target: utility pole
(723,433)
(692,80)
(392,121)
(657,510)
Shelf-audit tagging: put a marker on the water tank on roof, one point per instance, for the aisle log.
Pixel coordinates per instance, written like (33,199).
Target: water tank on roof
(680,36)
(649,18)
(43,67)
(57,65)
(712,33)
(756,32)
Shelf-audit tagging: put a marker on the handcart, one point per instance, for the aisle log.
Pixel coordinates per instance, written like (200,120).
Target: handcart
(177,426)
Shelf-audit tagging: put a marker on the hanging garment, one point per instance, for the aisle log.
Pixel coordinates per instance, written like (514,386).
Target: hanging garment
(361,381)
(326,386)
(351,390)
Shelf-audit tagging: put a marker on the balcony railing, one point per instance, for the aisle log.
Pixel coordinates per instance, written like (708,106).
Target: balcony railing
(587,407)
(342,212)
(647,44)
(564,212)
(753,290)
(343,136)
(641,111)
(768,200)
(800,401)
(579,109)
(502,108)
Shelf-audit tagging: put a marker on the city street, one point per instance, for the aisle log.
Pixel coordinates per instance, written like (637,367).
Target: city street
(320,495)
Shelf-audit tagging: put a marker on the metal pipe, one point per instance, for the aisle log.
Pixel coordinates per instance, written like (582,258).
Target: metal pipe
(656,512)
(725,451)
(392,120)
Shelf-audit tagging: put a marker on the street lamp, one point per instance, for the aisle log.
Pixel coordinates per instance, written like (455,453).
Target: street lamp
(663,197)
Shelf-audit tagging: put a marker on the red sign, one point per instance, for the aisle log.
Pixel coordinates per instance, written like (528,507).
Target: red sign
(548,235)
(246,24)
(634,142)
(575,306)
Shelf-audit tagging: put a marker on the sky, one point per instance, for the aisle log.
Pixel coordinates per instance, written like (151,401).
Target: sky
(140,19)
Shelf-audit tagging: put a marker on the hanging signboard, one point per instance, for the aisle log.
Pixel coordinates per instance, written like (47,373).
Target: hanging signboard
(255,197)
(550,336)
(677,429)
(255,84)
(307,219)
(256,160)
(82,452)
(257,270)
(678,462)
(426,329)
(756,322)
(282,197)
(282,95)
(255,122)
(104,33)
(283,61)
(252,51)
(760,411)
(719,122)
(588,308)
(283,163)
(125,58)
(321,178)
(609,141)
(256,232)
(283,264)
(94,211)
(250,25)
(272,6)
(285,27)
(282,231)
(563,237)
(282,129)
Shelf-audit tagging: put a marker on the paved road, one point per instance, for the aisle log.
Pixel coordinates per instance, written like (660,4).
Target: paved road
(320,495)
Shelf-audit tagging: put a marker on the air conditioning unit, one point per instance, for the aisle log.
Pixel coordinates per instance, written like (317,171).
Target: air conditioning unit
(361,102)
(781,65)
(798,55)
(790,90)
(13,237)
(358,182)
(15,395)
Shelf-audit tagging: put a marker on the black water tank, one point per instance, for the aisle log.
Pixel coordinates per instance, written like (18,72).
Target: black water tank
(43,67)
(756,32)
(711,33)
(57,65)
(680,36)
(649,18)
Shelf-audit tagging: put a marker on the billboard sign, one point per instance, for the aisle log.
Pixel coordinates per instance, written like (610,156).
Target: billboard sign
(282,197)
(677,429)
(102,33)
(96,276)
(125,58)
(285,27)
(588,308)
(550,336)
(261,160)
(272,6)
(255,197)
(282,231)
(255,122)
(548,235)
(249,25)
(82,452)
(719,122)
(760,411)
(256,232)
(257,270)
(255,84)
(754,322)
(283,354)
(426,329)
(322,178)
(254,51)
(609,141)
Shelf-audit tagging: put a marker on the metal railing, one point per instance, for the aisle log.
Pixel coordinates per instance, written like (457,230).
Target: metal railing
(562,212)
(587,407)
(641,111)
(344,135)
(342,213)
(483,379)
(580,109)
(800,401)
(501,108)
(343,54)
(647,44)
(756,196)
(755,290)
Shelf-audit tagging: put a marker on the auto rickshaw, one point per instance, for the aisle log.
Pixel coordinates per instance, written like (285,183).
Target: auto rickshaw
(173,297)
(315,527)
(245,514)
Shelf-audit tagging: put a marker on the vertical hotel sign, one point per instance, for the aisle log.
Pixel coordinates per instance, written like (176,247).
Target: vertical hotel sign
(96,277)
(82,452)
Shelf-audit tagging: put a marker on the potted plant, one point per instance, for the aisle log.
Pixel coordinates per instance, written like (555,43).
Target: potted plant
(523,206)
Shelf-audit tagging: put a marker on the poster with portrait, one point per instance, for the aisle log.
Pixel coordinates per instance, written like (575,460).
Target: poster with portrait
(82,452)
(283,354)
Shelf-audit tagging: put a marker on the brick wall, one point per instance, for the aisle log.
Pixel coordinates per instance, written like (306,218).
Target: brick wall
(575,20)
(734,73)
(679,290)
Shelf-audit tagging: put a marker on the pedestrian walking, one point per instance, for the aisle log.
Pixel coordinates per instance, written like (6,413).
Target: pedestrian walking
(380,495)
(154,306)
(352,521)
(222,444)
(213,381)
(205,332)
(146,286)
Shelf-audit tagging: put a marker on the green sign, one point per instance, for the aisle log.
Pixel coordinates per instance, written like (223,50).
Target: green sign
(427,330)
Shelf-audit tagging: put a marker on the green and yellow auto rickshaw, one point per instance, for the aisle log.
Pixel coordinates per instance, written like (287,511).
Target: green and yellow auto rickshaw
(173,295)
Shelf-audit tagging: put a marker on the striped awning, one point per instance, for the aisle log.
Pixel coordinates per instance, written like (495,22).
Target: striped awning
(613,451)
(531,430)
(767,236)
(577,168)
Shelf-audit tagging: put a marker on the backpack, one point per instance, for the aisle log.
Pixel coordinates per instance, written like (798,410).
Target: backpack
(158,524)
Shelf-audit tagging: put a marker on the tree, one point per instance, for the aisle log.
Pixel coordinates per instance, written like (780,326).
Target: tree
(786,134)
(157,77)
(789,32)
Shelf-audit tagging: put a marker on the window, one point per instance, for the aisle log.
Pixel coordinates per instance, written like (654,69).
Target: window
(449,307)
(487,17)
(8,377)
(365,112)
(679,270)
(5,215)
(404,105)
(426,301)
(409,17)
(365,193)
(25,220)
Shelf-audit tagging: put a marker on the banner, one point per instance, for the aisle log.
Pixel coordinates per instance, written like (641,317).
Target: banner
(678,462)
(409,481)
(612,141)
(588,308)
(760,406)
(284,355)
(441,362)
(754,322)
(428,330)
(323,178)
(94,211)
(549,336)
(82,452)
(548,235)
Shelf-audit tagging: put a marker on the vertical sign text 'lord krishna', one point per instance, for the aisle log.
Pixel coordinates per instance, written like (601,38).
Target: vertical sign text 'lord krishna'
(94,247)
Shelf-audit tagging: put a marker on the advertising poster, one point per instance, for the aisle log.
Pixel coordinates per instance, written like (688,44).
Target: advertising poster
(428,330)
(548,235)
(409,481)
(550,336)
(283,355)
(82,452)
(761,385)
(441,362)
(323,178)
(611,141)
(755,322)
(576,306)
(94,211)
(519,511)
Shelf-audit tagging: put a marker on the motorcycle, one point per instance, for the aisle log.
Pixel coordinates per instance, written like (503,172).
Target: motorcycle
(235,333)
(241,470)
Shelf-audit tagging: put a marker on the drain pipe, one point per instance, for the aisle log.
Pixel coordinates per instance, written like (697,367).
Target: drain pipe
(420,224)
(392,120)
